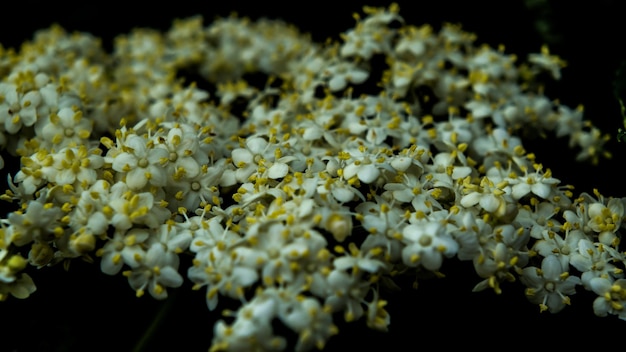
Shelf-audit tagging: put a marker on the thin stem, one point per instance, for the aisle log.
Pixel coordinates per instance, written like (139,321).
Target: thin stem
(142,344)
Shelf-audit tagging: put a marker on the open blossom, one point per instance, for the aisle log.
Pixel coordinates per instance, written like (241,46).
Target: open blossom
(141,163)
(427,244)
(550,286)
(18,108)
(611,297)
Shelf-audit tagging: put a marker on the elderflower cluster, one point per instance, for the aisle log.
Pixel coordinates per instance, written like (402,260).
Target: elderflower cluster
(302,193)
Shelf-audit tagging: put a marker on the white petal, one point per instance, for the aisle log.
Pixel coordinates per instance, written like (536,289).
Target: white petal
(136,178)
(542,190)
(358,76)
(170,277)
(65,177)
(123,159)
(471,199)
(108,266)
(312,133)
(241,155)
(256,145)
(245,276)
(137,144)
(551,267)
(432,260)
(278,170)
(350,171)
(97,223)
(401,163)
(490,202)
(343,195)
(155,155)
(338,82)
(158,177)
(368,173)
(600,285)
(155,255)
(530,278)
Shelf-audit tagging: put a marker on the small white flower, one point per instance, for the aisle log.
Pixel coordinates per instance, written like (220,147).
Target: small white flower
(593,260)
(606,220)
(218,270)
(66,128)
(548,62)
(342,73)
(141,163)
(550,286)
(538,183)
(611,297)
(124,247)
(155,273)
(427,244)
(489,196)
(18,109)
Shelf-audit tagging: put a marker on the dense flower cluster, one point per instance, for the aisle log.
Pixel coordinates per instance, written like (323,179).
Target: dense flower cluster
(302,193)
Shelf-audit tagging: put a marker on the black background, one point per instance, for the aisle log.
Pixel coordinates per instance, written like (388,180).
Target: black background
(84,309)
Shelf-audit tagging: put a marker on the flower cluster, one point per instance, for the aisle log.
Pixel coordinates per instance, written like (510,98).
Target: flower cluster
(300,194)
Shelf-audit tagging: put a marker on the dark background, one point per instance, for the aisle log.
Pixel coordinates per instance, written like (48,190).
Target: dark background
(84,309)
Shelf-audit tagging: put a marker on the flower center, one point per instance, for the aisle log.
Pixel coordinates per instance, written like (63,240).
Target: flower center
(273,253)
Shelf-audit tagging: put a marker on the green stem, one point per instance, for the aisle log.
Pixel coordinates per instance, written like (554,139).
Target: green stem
(142,344)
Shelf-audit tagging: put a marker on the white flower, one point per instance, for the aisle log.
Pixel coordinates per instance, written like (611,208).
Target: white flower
(550,63)
(346,293)
(21,288)
(606,220)
(124,247)
(66,128)
(36,169)
(363,164)
(141,163)
(207,234)
(259,154)
(221,274)
(500,146)
(184,158)
(538,183)
(342,73)
(89,213)
(198,191)
(502,252)
(539,219)
(274,251)
(427,244)
(550,286)
(359,260)
(371,35)
(310,320)
(562,247)
(611,297)
(340,189)
(489,196)
(593,260)
(77,166)
(252,328)
(17,109)
(154,272)
(40,222)
(128,208)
